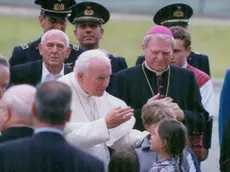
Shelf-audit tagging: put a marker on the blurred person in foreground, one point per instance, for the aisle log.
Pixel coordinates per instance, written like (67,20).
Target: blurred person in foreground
(224,107)
(47,150)
(16,112)
(4,75)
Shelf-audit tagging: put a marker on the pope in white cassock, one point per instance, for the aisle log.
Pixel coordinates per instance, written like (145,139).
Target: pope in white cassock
(99,120)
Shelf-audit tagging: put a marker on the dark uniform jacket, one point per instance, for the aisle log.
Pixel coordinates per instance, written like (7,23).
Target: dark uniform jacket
(29,52)
(13,133)
(29,73)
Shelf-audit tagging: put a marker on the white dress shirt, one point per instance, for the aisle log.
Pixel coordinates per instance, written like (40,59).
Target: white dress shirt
(47,76)
(206,92)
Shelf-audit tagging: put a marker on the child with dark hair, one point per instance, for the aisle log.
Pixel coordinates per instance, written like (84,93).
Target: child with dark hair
(168,139)
(124,160)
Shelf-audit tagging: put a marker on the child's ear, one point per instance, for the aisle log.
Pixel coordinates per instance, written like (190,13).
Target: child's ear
(164,143)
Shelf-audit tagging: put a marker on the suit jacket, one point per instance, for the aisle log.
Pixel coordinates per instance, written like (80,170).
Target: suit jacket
(29,73)
(13,133)
(29,52)
(224,108)
(46,152)
(197,60)
(131,86)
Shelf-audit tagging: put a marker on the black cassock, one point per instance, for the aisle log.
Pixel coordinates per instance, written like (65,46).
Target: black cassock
(131,86)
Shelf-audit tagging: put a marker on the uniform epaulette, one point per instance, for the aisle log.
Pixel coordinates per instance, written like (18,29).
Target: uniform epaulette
(115,56)
(75,48)
(197,52)
(69,64)
(24,46)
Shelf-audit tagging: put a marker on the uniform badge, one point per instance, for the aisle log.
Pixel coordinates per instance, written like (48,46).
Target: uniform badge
(69,64)
(178,12)
(24,46)
(88,11)
(59,6)
(75,47)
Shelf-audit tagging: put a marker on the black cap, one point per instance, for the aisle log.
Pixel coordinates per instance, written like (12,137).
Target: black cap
(56,8)
(173,14)
(89,11)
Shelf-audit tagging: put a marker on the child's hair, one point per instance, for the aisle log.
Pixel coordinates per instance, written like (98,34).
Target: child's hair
(124,160)
(176,137)
(155,111)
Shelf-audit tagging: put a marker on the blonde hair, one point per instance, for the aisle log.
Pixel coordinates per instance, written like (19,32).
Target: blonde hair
(155,111)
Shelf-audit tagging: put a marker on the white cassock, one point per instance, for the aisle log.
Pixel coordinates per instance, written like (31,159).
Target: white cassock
(87,128)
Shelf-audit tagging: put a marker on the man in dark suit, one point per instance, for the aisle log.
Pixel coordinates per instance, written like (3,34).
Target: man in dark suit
(4,75)
(88,18)
(47,150)
(54,50)
(178,14)
(16,112)
(155,77)
(52,16)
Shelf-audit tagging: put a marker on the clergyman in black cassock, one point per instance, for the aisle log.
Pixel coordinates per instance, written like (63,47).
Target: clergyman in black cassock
(138,84)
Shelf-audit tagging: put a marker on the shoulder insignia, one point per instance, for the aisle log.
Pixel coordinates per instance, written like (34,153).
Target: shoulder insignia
(197,52)
(75,47)
(24,46)
(68,64)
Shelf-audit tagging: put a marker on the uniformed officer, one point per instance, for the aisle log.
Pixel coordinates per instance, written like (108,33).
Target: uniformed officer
(88,18)
(178,14)
(53,15)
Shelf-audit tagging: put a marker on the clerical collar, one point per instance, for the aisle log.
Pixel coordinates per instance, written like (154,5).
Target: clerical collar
(157,73)
(185,65)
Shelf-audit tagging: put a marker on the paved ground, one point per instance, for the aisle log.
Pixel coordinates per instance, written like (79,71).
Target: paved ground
(212,163)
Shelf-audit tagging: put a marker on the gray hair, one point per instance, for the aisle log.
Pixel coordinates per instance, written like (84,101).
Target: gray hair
(3,61)
(82,63)
(52,102)
(19,99)
(56,32)
(160,36)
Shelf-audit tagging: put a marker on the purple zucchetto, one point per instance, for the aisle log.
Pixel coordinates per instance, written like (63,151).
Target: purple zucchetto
(159,29)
